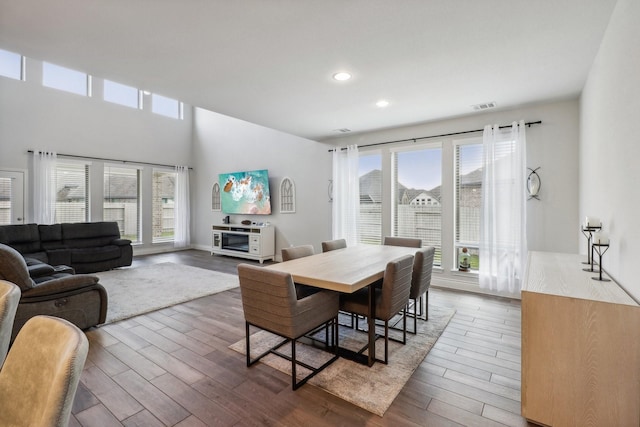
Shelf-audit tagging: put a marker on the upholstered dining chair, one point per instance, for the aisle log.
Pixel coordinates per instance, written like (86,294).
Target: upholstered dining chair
(9,297)
(295,252)
(332,245)
(402,241)
(420,282)
(269,302)
(40,375)
(390,299)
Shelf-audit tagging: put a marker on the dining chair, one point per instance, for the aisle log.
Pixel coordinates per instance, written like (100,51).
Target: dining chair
(270,303)
(402,241)
(9,297)
(295,252)
(40,375)
(420,283)
(332,245)
(390,299)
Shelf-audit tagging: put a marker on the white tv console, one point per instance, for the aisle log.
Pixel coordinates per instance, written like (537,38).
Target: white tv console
(245,241)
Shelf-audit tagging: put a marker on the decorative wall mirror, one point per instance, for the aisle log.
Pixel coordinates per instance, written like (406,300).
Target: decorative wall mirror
(533,184)
(287,195)
(215,198)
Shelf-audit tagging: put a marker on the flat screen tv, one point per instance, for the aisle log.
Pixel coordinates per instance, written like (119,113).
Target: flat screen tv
(245,192)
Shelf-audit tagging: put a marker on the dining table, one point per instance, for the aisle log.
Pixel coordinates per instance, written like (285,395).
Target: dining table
(347,270)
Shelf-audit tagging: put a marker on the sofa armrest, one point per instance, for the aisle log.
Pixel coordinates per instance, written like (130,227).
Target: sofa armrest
(121,242)
(60,285)
(40,269)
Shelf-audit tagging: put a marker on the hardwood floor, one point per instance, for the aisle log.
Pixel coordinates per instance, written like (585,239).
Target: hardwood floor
(173,367)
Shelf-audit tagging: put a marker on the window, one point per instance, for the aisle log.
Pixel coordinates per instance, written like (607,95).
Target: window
(163,194)
(72,203)
(166,106)
(121,94)
(370,173)
(11,65)
(417,183)
(5,201)
(65,79)
(122,200)
(468,195)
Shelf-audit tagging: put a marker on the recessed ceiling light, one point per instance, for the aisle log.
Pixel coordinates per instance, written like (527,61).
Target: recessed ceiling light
(341,76)
(382,103)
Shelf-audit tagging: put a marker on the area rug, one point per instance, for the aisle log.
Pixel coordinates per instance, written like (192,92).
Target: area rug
(372,388)
(138,290)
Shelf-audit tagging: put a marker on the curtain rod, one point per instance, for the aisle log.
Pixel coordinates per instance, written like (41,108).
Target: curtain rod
(112,160)
(528,124)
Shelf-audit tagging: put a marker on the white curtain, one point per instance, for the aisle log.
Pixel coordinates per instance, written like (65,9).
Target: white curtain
(346,195)
(503,241)
(182,235)
(44,187)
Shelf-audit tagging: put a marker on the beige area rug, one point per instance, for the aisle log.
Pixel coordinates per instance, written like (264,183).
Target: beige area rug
(372,388)
(138,290)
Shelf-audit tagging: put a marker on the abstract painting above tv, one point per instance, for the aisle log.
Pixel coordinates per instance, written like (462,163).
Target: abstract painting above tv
(245,192)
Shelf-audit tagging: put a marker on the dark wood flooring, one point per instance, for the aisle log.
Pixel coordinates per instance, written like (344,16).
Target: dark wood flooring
(173,367)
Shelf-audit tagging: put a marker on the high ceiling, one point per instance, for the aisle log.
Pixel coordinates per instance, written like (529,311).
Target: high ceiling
(271,62)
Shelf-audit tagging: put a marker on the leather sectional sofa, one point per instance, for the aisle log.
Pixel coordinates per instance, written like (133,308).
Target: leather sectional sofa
(87,247)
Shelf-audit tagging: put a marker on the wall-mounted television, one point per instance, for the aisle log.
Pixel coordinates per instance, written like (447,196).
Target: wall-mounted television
(245,192)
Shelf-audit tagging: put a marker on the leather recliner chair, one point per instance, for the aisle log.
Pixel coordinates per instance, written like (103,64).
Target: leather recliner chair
(78,298)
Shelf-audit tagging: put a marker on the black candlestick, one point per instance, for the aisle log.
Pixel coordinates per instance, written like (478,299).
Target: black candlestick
(587,232)
(600,248)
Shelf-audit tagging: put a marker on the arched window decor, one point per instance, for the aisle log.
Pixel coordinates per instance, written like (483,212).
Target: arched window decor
(215,198)
(287,196)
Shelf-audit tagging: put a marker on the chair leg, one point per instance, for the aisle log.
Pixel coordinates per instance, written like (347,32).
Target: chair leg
(386,342)
(426,305)
(415,314)
(404,326)
(294,383)
(248,345)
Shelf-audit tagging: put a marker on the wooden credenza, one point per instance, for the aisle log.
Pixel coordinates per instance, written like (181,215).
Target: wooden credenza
(580,346)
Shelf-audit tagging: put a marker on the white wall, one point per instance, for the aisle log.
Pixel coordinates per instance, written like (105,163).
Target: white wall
(33,117)
(609,144)
(225,144)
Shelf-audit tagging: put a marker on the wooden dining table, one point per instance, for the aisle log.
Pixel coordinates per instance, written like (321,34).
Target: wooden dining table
(346,270)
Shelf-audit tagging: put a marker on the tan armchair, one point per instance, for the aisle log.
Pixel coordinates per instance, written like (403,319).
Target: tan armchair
(295,252)
(270,303)
(409,242)
(332,245)
(40,375)
(9,297)
(420,283)
(77,298)
(390,299)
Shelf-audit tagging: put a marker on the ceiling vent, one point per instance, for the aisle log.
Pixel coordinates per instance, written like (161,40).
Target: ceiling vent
(343,130)
(485,106)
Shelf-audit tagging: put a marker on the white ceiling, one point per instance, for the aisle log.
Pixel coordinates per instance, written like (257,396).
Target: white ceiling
(270,62)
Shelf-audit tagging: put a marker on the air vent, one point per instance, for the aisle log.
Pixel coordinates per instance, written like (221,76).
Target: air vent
(485,106)
(343,130)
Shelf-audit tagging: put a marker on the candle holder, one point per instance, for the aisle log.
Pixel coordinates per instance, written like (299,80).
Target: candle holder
(588,233)
(600,249)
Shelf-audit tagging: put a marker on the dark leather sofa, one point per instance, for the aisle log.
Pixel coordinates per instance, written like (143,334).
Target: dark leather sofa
(87,247)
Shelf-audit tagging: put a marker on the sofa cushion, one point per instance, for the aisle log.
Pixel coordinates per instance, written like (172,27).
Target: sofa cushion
(25,238)
(89,234)
(51,236)
(102,253)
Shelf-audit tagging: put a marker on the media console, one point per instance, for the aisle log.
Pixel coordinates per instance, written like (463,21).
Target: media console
(245,241)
